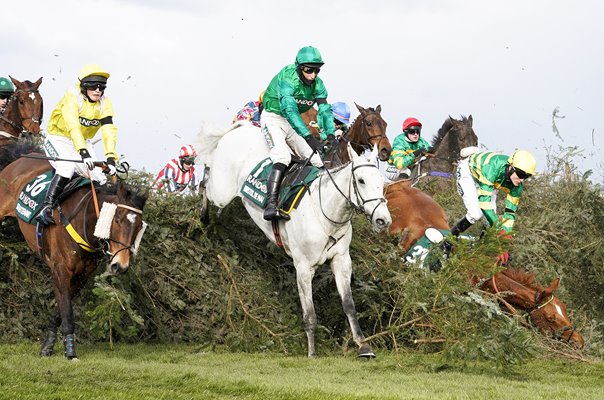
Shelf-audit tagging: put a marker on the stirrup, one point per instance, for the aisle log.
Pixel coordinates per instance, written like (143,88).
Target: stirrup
(45,216)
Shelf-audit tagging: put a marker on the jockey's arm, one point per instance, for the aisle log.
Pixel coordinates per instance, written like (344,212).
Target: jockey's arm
(290,111)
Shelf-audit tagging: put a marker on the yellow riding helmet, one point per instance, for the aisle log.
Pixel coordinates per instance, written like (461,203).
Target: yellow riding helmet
(92,69)
(261,98)
(524,161)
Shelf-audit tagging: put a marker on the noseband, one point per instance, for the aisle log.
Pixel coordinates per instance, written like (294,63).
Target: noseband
(368,146)
(557,333)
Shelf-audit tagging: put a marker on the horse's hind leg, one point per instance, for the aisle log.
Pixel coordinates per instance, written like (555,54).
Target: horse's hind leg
(341,265)
(304,275)
(48,346)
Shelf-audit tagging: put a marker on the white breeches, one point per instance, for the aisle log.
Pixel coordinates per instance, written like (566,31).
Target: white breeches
(468,190)
(281,139)
(62,147)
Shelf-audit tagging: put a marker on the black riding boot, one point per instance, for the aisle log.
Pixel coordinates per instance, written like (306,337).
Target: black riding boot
(460,226)
(271,212)
(54,190)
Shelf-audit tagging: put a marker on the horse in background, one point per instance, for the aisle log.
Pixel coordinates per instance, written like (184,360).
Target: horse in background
(73,247)
(320,228)
(453,137)
(23,112)
(517,288)
(367,130)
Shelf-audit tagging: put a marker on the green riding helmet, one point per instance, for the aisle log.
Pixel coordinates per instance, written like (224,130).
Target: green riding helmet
(310,56)
(6,86)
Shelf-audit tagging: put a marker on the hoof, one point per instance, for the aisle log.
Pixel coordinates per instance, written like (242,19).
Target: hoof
(47,349)
(366,352)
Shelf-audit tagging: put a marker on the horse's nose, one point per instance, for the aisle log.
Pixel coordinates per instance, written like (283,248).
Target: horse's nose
(385,154)
(117,269)
(382,224)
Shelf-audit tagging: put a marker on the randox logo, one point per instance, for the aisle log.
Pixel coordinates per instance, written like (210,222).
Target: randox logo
(89,122)
(305,102)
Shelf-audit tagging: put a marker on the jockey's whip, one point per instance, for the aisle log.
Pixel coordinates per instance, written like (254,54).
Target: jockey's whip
(94,199)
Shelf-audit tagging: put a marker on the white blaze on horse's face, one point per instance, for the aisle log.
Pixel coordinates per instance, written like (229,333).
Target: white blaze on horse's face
(369,189)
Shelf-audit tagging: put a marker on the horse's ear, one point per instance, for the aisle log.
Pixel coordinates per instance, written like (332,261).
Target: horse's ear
(361,109)
(548,291)
(121,189)
(38,83)
(378,108)
(470,119)
(351,153)
(16,82)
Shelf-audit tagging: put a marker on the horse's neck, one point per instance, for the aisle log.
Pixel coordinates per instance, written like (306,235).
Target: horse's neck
(523,297)
(443,158)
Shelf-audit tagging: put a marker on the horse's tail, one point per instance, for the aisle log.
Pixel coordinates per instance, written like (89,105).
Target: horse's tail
(208,138)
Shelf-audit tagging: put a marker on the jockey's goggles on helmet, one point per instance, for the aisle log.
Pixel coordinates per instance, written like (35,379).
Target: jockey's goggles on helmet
(310,70)
(520,173)
(188,160)
(5,96)
(94,86)
(413,130)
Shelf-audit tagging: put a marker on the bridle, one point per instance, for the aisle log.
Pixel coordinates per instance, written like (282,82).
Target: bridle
(557,333)
(360,202)
(19,126)
(370,137)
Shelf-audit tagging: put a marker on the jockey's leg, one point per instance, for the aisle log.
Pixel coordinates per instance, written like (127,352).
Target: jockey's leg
(271,211)
(461,226)
(54,190)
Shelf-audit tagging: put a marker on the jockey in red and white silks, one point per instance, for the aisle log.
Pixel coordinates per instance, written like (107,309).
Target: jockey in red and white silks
(173,178)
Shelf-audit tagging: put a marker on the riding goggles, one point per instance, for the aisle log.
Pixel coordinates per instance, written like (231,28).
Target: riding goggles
(94,86)
(5,96)
(188,160)
(310,70)
(412,131)
(521,174)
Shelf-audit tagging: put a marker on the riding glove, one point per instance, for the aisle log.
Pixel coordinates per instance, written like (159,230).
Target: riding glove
(314,144)
(419,152)
(331,143)
(87,159)
(111,170)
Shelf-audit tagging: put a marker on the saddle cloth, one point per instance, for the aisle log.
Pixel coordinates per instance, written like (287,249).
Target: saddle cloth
(33,194)
(295,183)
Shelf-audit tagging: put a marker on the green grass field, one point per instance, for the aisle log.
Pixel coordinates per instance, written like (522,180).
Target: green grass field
(187,372)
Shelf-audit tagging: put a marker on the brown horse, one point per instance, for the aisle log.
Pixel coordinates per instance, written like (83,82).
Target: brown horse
(72,258)
(452,137)
(412,212)
(519,289)
(23,112)
(367,130)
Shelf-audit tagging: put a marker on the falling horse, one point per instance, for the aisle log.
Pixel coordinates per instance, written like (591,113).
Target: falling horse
(73,246)
(367,130)
(319,229)
(415,214)
(23,112)
(454,136)
(517,288)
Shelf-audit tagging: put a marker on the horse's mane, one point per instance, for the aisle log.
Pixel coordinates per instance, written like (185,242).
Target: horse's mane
(369,109)
(442,132)
(523,277)
(13,151)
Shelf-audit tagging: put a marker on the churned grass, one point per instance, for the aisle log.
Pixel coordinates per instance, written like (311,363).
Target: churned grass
(188,372)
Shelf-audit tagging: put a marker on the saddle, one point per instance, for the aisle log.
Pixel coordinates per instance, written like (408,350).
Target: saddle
(298,176)
(29,202)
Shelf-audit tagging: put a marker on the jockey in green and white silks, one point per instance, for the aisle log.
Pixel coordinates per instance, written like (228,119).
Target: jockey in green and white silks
(293,91)
(478,178)
(407,147)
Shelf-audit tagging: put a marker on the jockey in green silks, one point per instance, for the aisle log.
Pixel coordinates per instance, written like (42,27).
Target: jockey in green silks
(406,149)
(291,92)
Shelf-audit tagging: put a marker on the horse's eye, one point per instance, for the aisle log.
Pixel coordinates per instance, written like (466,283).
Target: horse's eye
(369,123)
(362,181)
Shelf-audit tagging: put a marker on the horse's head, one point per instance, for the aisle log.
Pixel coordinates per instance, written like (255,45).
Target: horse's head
(452,137)
(368,187)
(549,316)
(369,130)
(121,225)
(29,105)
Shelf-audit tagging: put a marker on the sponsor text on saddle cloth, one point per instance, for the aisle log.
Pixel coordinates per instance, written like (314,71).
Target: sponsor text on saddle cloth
(32,196)
(295,183)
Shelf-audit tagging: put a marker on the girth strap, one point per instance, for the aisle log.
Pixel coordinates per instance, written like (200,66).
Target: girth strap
(75,235)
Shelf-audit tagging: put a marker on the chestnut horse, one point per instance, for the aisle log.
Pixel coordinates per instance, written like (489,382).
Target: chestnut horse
(413,212)
(23,112)
(73,246)
(519,289)
(368,129)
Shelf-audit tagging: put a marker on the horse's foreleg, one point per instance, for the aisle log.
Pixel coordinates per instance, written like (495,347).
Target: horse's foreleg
(341,265)
(48,345)
(63,295)
(304,275)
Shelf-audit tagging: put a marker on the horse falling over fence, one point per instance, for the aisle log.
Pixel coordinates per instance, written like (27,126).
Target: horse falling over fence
(414,213)
(367,130)
(70,248)
(320,228)
(23,112)
(517,288)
